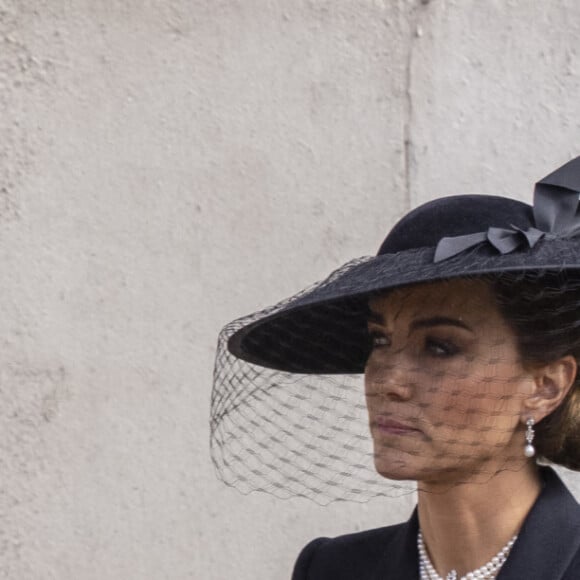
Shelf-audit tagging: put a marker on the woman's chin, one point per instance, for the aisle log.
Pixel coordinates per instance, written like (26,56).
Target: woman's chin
(397,466)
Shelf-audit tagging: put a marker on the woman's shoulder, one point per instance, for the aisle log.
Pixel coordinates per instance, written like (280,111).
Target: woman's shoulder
(366,539)
(346,556)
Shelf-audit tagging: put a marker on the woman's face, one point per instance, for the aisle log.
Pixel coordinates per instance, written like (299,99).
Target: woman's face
(444,384)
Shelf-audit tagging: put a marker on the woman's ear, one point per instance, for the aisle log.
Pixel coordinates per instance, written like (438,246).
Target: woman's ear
(552,384)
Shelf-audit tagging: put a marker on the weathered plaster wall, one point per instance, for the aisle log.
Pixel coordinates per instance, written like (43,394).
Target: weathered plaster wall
(166,166)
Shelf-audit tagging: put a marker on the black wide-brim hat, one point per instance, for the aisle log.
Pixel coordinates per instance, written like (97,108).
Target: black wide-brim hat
(323,329)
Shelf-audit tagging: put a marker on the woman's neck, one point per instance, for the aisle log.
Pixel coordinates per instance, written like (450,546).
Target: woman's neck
(464,527)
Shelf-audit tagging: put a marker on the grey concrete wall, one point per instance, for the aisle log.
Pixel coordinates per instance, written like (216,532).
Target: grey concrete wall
(166,166)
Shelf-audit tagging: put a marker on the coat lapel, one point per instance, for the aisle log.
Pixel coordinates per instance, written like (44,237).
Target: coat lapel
(550,536)
(401,558)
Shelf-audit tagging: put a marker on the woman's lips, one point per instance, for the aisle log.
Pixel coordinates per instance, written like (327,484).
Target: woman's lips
(392,427)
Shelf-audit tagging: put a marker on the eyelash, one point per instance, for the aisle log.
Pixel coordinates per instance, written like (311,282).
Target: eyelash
(440,348)
(435,347)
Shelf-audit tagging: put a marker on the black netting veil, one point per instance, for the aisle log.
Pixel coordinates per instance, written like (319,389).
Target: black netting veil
(287,433)
(366,396)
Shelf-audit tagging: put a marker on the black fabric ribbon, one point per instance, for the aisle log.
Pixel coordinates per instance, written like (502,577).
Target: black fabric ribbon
(555,216)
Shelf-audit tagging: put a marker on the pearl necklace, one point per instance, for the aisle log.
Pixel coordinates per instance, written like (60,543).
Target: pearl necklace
(427,570)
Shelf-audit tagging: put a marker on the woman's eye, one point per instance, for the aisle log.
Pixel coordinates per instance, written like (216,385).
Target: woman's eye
(440,348)
(379,340)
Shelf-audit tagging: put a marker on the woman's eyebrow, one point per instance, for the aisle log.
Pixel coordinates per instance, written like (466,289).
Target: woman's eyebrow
(438,321)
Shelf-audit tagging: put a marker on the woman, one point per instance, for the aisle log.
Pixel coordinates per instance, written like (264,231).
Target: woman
(466,326)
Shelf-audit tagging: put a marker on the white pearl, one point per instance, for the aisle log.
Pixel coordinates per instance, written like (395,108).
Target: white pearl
(529,451)
(489,570)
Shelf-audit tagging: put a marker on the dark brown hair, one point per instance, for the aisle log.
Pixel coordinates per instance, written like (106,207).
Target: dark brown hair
(544,311)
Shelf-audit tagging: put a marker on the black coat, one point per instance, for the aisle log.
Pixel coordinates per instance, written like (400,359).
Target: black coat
(547,548)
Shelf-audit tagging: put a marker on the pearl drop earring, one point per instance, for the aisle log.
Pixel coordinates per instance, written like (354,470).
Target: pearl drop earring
(529,449)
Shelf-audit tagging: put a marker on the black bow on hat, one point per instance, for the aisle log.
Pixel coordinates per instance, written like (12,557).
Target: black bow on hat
(555,215)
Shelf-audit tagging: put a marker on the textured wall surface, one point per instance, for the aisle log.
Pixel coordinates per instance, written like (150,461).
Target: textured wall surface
(168,165)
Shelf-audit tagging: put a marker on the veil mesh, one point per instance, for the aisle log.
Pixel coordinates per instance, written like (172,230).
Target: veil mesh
(287,433)
(438,399)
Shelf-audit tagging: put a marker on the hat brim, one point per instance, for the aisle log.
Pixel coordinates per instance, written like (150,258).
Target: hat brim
(323,330)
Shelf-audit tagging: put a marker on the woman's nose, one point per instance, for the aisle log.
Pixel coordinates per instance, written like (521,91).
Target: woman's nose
(389,379)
